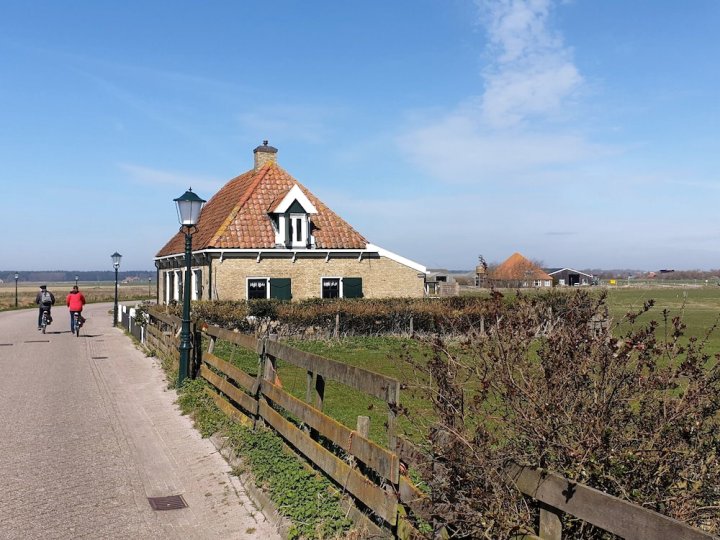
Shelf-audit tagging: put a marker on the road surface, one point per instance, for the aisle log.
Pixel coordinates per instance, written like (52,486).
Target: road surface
(89,431)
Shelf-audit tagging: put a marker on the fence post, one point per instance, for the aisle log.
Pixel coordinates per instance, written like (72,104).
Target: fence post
(196,330)
(550,524)
(309,399)
(393,402)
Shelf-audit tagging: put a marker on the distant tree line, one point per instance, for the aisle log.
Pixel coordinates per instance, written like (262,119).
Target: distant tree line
(51,276)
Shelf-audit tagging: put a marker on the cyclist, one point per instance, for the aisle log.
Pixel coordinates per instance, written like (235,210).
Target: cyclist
(45,300)
(75,302)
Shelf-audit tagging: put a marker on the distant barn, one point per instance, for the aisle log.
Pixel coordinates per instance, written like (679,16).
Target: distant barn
(567,277)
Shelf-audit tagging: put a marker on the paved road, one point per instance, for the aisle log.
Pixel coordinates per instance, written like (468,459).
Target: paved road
(88,431)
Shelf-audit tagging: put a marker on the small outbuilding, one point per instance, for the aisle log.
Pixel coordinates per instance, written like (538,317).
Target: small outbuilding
(567,277)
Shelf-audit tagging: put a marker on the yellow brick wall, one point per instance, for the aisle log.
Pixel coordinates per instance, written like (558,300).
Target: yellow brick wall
(382,277)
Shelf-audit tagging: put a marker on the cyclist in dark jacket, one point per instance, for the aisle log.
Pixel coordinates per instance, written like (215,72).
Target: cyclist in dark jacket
(45,300)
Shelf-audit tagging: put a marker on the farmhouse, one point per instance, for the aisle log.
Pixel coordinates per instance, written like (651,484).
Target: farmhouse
(265,235)
(569,277)
(517,271)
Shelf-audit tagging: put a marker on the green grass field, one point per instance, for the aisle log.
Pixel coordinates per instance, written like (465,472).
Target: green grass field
(699,308)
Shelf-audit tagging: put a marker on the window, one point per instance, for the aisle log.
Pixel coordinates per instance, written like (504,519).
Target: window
(257,288)
(331,288)
(261,288)
(349,287)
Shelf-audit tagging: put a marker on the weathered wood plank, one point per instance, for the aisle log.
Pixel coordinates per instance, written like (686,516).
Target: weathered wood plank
(238,396)
(235,373)
(244,340)
(409,453)
(382,503)
(550,527)
(228,408)
(172,320)
(372,383)
(614,515)
(414,499)
(381,460)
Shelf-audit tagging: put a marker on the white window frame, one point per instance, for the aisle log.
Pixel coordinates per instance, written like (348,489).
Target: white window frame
(178,284)
(340,285)
(195,286)
(247,286)
(168,277)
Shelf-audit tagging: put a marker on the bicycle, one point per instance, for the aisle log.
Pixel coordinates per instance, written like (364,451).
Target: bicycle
(46,320)
(76,323)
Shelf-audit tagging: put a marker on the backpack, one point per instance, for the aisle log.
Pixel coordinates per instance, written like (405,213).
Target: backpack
(45,298)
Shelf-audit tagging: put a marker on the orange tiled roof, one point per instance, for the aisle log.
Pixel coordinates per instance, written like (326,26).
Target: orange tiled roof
(237,216)
(518,268)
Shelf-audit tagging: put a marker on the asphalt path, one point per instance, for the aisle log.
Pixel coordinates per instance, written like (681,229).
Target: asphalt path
(89,431)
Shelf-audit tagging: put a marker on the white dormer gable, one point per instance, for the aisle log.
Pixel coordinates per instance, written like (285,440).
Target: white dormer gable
(292,220)
(295,194)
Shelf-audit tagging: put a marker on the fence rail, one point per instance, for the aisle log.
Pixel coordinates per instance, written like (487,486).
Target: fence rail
(369,471)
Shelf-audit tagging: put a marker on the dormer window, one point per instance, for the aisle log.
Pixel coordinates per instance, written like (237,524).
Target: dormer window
(291,220)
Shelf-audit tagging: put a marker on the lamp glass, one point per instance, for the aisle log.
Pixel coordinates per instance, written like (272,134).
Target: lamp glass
(189,206)
(116,259)
(17,275)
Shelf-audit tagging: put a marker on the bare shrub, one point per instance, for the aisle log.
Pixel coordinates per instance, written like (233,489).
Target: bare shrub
(547,386)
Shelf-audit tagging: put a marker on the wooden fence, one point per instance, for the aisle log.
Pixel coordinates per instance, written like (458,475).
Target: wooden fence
(368,471)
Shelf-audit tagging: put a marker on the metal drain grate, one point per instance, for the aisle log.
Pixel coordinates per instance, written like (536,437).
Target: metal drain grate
(171,502)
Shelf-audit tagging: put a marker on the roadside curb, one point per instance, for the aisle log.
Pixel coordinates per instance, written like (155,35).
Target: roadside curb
(256,494)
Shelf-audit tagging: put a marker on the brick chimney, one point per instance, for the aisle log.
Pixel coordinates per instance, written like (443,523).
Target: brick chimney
(263,154)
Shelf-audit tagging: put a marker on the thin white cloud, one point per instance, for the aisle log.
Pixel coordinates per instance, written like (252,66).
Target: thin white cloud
(531,72)
(519,122)
(304,123)
(148,176)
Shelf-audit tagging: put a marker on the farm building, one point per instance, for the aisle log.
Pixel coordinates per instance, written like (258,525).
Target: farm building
(441,284)
(265,235)
(517,271)
(567,277)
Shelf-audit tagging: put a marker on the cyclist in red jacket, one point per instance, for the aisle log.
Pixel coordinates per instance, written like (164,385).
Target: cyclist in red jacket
(75,302)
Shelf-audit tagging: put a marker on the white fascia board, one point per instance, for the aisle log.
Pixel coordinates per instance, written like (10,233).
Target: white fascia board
(569,269)
(397,258)
(275,251)
(295,193)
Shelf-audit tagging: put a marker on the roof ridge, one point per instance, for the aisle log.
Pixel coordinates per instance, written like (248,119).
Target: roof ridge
(259,175)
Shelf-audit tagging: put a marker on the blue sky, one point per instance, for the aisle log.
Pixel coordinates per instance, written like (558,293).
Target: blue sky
(580,133)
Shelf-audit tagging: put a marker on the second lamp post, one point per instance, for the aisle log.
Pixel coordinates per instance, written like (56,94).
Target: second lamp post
(116,264)
(189,206)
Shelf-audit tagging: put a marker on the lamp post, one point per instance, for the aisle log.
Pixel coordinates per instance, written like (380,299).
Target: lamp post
(16,278)
(189,206)
(76,281)
(149,282)
(116,263)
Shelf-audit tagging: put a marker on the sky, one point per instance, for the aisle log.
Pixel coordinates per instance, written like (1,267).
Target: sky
(582,133)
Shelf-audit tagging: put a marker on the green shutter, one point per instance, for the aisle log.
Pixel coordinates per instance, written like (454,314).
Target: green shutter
(352,287)
(280,288)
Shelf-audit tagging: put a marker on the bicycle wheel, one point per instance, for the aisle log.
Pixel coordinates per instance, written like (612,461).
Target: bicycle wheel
(77,326)
(44,324)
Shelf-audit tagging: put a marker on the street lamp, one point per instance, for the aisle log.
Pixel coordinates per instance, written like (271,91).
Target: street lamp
(76,280)
(189,206)
(116,263)
(16,278)
(149,293)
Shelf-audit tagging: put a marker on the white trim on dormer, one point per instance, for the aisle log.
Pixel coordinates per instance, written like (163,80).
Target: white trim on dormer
(295,194)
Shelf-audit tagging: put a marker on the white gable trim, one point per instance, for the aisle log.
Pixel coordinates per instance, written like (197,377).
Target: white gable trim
(397,258)
(570,270)
(294,194)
